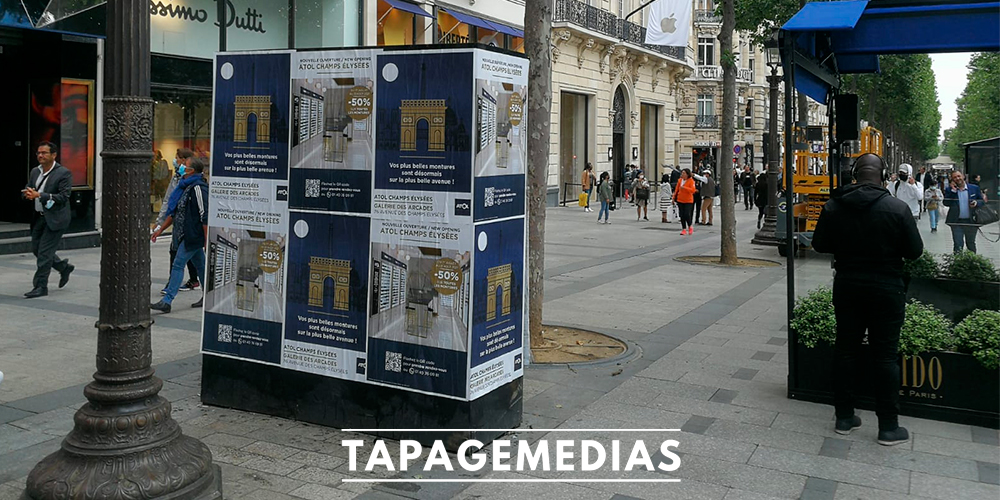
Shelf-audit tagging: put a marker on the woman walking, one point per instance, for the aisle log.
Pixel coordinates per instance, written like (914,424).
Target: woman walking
(640,191)
(684,196)
(666,198)
(933,196)
(604,195)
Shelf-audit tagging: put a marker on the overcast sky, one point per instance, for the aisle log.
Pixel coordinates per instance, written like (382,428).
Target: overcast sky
(950,74)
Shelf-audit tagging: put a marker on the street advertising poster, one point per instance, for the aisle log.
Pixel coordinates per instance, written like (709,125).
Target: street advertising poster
(251,116)
(333,133)
(326,328)
(367,216)
(419,319)
(424,135)
(498,312)
(501,145)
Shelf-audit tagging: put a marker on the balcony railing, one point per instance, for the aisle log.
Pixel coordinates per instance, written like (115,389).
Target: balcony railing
(708,72)
(606,23)
(706,121)
(706,16)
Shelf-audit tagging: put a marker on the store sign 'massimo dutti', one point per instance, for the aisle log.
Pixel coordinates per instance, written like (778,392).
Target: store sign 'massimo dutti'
(251,20)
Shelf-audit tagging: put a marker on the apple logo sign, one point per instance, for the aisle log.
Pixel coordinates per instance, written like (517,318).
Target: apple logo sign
(668,24)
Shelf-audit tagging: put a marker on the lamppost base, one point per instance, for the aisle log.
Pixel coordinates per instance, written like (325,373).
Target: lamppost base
(766,234)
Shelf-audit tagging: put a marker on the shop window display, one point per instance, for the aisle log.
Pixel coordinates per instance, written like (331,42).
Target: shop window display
(180,120)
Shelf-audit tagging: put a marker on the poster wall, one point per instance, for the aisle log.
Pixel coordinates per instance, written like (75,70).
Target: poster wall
(372,228)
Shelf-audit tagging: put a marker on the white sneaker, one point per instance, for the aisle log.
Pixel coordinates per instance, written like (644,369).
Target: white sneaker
(599,221)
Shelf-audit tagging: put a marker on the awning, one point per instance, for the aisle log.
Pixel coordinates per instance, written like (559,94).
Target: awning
(473,20)
(502,28)
(408,7)
(827,16)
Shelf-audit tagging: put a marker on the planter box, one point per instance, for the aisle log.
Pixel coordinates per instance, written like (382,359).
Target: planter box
(955,298)
(944,386)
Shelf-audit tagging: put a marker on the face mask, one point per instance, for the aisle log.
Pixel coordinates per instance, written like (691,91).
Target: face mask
(181,170)
(176,164)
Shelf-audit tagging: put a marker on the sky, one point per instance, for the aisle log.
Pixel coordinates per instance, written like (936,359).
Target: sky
(950,74)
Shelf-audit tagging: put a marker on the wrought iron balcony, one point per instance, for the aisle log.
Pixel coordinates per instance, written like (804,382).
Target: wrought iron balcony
(706,16)
(606,23)
(706,121)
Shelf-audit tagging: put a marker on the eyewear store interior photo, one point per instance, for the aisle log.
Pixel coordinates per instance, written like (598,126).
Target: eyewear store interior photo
(245,276)
(326,130)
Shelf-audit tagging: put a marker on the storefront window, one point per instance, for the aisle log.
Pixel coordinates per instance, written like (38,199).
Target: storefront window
(327,23)
(572,142)
(181,119)
(490,37)
(395,26)
(650,144)
(451,30)
(256,24)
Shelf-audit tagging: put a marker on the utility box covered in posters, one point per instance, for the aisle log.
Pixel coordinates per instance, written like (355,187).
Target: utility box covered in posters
(366,259)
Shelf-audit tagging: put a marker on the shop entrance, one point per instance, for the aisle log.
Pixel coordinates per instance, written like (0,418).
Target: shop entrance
(52,100)
(705,158)
(618,129)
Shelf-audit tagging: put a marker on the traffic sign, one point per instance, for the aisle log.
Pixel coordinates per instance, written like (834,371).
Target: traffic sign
(736,149)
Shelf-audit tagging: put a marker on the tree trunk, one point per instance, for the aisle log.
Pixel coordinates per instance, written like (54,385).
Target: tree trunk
(728,213)
(537,42)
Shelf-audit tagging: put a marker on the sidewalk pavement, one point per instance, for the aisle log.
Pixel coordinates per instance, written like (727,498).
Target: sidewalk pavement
(708,356)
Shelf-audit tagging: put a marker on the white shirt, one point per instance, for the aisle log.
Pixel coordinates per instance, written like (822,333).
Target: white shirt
(43,177)
(912,194)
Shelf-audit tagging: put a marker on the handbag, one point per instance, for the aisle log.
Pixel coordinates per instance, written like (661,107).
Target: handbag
(583,199)
(983,215)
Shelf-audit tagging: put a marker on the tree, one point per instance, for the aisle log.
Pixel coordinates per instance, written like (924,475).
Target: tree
(728,134)
(978,106)
(537,40)
(902,101)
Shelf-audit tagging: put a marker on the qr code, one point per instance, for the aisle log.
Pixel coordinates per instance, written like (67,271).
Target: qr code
(312,188)
(225,333)
(393,361)
(490,197)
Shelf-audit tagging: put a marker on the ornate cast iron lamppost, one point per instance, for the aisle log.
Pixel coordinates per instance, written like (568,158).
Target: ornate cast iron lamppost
(766,234)
(124,443)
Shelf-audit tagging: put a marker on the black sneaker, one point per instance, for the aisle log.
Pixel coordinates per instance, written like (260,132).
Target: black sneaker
(896,436)
(190,285)
(200,302)
(160,306)
(846,425)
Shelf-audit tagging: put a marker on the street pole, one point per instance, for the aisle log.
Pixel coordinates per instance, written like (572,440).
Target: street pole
(766,234)
(124,443)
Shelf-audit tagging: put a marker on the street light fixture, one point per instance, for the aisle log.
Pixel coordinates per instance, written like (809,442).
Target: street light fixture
(766,234)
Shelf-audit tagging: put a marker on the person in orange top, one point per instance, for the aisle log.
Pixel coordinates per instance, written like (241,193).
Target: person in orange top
(684,196)
(587,183)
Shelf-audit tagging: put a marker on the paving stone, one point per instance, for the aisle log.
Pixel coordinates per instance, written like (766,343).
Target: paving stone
(876,454)
(832,468)
(642,391)
(724,396)
(822,485)
(267,495)
(8,414)
(983,435)
(823,427)
(769,436)
(743,476)
(271,465)
(778,341)
(640,416)
(954,448)
(228,440)
(13,438)
(762,356)
(54,423)
(320,460)
(232,456)
(988,473)
(270,449)
(697,424)
(10,492)
(534,491)
(687,489)
(934,428)
(316,475)
(738,494)
(835,448)
(717,410)
(946,488)
(320,492)
(745,374)
(854,492)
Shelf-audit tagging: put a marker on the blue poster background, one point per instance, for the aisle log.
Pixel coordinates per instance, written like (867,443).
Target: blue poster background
(448,378)
(329,237)
(416,76)
(242,337)
(502,333)
(498,197)
(259,76)
(354,194)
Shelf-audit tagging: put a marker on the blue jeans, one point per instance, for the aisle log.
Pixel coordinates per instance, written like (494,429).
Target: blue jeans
(605,209)
(933,214)
(184,254)
(588,191)
(964,230)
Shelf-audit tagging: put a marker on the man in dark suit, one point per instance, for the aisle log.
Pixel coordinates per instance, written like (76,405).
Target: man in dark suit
(49,187)
(962,198)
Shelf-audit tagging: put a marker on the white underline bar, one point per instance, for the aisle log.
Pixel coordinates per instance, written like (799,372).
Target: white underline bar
(510,480)
(511,430)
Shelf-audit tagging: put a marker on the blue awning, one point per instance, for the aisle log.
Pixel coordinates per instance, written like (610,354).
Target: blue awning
(473,20)
(408,7)
(827,16)
(502,28)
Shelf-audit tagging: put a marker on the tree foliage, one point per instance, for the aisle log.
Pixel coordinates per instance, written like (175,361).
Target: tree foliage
(758,17)
(901,100)
(978,106)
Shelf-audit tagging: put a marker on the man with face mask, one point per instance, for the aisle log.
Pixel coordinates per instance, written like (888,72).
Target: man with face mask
(181,162)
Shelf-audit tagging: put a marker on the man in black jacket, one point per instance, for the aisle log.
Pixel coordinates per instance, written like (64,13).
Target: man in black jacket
(49,187)
(869,233)
(747,180)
